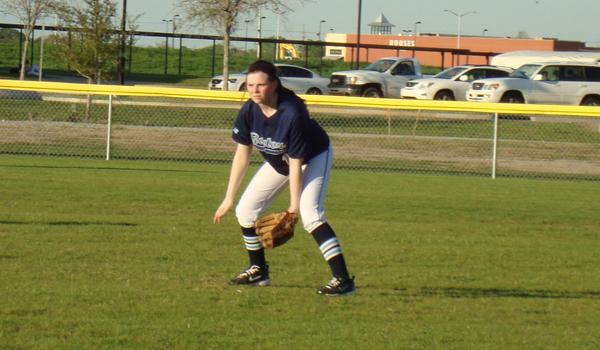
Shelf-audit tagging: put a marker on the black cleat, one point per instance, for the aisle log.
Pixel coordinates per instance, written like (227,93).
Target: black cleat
(337,287)
(253,276)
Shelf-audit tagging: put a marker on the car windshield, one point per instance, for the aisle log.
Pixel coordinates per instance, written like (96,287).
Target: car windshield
(380,66)
(525,71)
(450,73)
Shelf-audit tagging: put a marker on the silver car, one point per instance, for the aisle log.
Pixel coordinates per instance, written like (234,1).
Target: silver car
(451,84)
(298,79)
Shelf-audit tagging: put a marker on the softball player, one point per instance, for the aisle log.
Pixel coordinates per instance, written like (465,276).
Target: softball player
(296,151)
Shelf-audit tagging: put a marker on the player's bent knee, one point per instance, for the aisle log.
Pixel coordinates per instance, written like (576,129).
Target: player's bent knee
(312,217)
(245,218)
(312,225)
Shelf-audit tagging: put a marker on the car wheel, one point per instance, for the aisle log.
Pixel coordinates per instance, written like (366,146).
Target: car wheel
(372,92)
(243,87)
(512,97)
(591,101)
(314,91)
(444,96)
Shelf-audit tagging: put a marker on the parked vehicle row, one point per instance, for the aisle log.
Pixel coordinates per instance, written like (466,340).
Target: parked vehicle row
(451,84)
(570,83)
(565,83)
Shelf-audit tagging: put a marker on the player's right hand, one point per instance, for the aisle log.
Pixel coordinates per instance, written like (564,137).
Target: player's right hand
(222,210)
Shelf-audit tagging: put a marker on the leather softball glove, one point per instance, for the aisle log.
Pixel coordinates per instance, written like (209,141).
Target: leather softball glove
(276,228)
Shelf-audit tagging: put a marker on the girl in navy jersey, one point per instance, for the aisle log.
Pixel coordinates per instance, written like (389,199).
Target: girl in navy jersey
(297,152)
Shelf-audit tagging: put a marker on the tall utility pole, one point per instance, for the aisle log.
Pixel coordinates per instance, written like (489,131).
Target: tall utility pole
(259,44)
(278,12)
(415,37)
(122,44)
(167,21)
(358,33)
(174,28)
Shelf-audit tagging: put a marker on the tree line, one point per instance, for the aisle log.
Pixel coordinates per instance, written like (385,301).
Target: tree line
(89,45)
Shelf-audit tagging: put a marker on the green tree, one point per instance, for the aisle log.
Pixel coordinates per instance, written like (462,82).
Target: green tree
(91,44)
(28,12)
(7,34)
(224,14)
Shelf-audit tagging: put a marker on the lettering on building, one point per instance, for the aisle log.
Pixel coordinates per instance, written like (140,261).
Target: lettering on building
(396,42)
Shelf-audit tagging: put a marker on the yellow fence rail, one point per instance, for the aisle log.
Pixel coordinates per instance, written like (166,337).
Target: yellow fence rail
(169,92)
(183,124)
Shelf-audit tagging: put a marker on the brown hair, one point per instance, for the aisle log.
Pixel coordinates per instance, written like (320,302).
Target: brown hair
(269,69)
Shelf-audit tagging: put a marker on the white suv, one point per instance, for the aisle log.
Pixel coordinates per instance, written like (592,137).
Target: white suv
(565,83)
(451,84)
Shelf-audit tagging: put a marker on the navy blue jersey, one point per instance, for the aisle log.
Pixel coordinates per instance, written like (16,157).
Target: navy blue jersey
(290,132)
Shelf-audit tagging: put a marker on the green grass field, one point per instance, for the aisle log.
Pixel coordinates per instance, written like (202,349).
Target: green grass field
(123,254)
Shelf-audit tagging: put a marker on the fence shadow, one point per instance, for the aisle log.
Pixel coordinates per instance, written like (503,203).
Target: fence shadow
(67,223)
(476,293)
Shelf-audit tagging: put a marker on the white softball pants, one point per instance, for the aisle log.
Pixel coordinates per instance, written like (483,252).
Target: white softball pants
(267,184)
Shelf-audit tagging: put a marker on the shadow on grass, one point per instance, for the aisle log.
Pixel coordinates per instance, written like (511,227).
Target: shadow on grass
(116,168)
(472,293)
(66,223)
(500,293)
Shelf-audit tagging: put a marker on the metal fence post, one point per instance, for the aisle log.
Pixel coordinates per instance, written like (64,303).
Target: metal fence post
(388,116)
(41,72)
(495,145)
(108,127)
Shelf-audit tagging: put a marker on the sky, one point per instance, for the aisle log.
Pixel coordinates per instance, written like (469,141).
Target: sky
(565,20)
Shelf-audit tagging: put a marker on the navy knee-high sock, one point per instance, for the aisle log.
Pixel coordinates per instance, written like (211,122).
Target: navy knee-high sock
(256,252)
(331,250)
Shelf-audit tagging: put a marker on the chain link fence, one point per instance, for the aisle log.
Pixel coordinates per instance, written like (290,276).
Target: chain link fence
(417,141)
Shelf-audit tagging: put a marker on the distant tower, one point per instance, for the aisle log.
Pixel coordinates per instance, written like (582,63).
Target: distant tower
(381,26)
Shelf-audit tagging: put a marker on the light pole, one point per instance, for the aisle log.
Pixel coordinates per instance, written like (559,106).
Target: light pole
(459,16)
(415,37)
(246,42)
(320,46)
(167,21)
(484,31)
(415,31)
(122,44)
(260,18)
(40,73)
(278,12)
(320,26)
(174,28)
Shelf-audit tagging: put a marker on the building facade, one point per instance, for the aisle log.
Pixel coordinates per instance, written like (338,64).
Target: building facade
(424,45)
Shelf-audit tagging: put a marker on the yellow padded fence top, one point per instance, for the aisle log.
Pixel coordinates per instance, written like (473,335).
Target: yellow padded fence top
(342,101)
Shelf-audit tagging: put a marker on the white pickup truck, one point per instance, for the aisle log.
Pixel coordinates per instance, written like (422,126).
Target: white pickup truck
(382,78)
